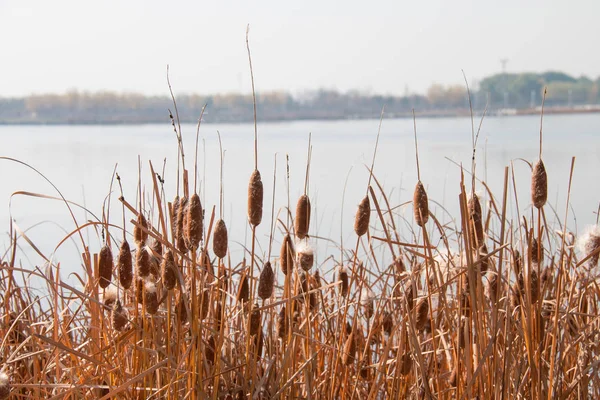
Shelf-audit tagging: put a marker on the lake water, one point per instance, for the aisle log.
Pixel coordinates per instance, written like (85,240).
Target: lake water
(80,160)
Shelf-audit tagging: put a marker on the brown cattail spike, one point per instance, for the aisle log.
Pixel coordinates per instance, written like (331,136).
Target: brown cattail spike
(305,256)
(204,303)
(4,386)
(220,239)
(142,261)
(343,278)
(194,223)
(209,349)
(536,251)
(140,230)
(589,245)
(282,323)
(125,265)
(539,185)
(387,323)
(180,214)
(302,222)
(421,205)
(243,290)
(363,215)
(119,317)
(168,270)
(266,282)
(475,222)
(254,320)
(150,298)
(286,255)
(181,311)
(422,314)
(105,266)
(255,199)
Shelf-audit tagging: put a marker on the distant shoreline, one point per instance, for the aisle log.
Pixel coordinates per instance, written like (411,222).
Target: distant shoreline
(462,113)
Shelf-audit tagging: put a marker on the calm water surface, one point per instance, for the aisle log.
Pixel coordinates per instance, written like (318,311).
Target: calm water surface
(80,161)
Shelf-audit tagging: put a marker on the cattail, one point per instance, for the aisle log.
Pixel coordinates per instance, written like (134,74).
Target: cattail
(266,281)
(302,221)
(255,199)
(142,261)
(243,290)
(536,251)
(282,323)
(420,205)
(220,239)
(303,287)
(349,351)
(194,224)
(314,295)
(409,297)
(539,185)
(140,230)
(150,298)
(589,244)
(168,270)
(387,323)
(482,257)
(475,222)
(182,315)
(105,266)
(157,248)
(4,386)
(110,296)
(173,219)
(254,320)
(422,314)
(398,266)
(204,303)
(534,285)
(180,211)
(305,256)
(139,290)
(363,215)
(286,255)
(218,316)
(119,317)
(125,265)
(343,278)
(453,377)
(405,364)
(259,342)
(366,300)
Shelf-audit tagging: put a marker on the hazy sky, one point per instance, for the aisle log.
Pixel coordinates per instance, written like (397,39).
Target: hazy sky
(378,46)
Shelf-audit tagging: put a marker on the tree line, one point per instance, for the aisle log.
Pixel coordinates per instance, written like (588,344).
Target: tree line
(511,90)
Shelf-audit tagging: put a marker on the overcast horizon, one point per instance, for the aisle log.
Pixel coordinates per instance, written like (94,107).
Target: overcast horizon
(381,47)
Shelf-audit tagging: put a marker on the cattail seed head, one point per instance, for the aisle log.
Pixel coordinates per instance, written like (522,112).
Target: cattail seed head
(589,243)
(193,222)
(398,266)
(204,303)
(150,298)
(492,286)
(536,251)
(105,266)
(182,315)
(363,215)
(180,211)
(243,290)
(168,270)
(475,222)
(220,239)
(409,297)
(302,221)
(255,199)
(349,352)
(282,323)
(125,265)
(254,320)
(534,285)
(139,290)
(109,297)
(119,317)
(266,282)
(142,261)
(539,185)
(387,323)
(157,248)
(482,257)
(4,386)
(140,230)
(305,256)
(286,255)
(421,205)
(422,314)
(405,364)
(343,278)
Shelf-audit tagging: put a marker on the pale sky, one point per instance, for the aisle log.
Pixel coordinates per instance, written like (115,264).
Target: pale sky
(376,46)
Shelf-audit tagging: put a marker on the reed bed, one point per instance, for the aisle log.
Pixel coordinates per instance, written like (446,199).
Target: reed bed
(496,308)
